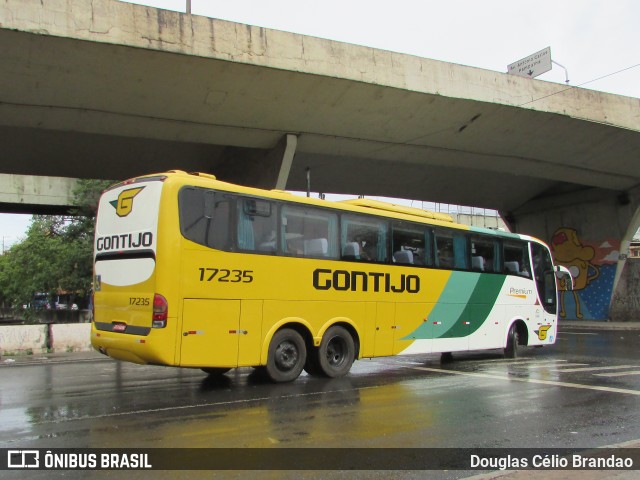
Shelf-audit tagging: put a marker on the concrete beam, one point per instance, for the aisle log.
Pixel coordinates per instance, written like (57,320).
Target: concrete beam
(35,194)
(121,23)
(367,121)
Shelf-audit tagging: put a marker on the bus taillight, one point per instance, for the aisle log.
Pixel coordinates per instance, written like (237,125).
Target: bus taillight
(160,311)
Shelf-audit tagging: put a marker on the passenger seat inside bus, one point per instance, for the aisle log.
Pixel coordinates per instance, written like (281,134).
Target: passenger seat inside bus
(351,251)
(512,267)
(316,247)
(403,256)
(477,263)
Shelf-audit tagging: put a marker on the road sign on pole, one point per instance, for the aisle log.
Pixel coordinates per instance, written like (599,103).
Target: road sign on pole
(533,65)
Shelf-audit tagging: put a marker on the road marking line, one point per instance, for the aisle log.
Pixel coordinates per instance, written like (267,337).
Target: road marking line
(590,369)
(556,367)
(617,374)
(531,380)
(514,361)
(201,405)
(576,333)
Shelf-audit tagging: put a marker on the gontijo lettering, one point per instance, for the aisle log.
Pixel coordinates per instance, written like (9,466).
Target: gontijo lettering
(342,280)
(124,241)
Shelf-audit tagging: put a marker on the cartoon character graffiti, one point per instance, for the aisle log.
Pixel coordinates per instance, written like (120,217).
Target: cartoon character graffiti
(569,251)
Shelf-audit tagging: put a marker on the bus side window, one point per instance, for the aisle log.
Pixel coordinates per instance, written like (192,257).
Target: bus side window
(409,244)
(516,259)
(363,239)
(444,247)
(484,253)
(204,216)
(452,249)
(309,232)
(256,224)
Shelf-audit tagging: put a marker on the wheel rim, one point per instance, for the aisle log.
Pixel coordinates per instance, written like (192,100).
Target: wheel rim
(287,356)
(336,351)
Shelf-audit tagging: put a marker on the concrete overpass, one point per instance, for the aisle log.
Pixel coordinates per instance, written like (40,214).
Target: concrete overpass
(105,89)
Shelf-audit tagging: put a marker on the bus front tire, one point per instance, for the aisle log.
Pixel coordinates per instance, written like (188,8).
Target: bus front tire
(446,357)
(513,341)
(337,352)
(287,356)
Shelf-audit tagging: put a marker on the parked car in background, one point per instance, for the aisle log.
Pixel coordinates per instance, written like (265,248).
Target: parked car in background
(41,301)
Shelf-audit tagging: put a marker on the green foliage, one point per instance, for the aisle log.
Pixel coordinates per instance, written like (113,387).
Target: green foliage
(56,254)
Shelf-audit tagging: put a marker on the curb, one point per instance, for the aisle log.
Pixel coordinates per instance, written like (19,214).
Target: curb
(93,356)
(597,325)
(51,358)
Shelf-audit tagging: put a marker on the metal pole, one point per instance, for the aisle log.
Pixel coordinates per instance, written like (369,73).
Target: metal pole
(566,72)
(188,9)
(308,182)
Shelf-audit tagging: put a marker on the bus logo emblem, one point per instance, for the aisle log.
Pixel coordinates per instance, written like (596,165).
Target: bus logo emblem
(542,333)
(124,204)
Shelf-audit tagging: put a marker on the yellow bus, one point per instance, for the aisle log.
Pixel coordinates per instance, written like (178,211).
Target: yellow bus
(193,272)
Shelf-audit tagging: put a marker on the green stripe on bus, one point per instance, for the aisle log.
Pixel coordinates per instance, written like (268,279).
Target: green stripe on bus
(478,308)
(467,297)
(449,306)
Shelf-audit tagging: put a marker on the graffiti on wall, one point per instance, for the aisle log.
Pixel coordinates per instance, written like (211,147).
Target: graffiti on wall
(593,268)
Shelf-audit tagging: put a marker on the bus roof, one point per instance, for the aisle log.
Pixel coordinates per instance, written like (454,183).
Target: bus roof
(362,205)
(390,207)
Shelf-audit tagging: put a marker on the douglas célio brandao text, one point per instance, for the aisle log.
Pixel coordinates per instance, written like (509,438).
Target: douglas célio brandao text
(551,461)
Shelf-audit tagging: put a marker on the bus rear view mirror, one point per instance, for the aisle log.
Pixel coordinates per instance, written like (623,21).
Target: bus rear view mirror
(565,279)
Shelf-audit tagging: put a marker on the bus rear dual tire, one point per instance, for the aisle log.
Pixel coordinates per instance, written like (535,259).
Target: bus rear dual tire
(335,355)
(288,355)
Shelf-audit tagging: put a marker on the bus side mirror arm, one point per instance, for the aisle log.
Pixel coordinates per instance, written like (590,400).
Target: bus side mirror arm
(564,276)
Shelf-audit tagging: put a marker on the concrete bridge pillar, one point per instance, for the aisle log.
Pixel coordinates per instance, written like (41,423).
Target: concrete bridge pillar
(258,168)
(589,232)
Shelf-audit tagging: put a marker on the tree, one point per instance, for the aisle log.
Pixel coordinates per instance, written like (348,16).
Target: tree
(77,252)
(56,253)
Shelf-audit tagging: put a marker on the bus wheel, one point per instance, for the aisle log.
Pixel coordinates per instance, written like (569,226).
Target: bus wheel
(446,357)
(287,356)
(336,352)
(215,372)
(513,340)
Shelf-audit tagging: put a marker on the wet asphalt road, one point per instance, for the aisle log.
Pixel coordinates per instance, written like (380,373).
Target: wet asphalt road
(582,392)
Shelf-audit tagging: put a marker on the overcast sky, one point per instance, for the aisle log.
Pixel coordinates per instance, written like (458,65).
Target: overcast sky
(598,41)
(591,38)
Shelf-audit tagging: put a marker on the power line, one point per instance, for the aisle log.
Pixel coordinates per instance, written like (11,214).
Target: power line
(610,74)
(579,85)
